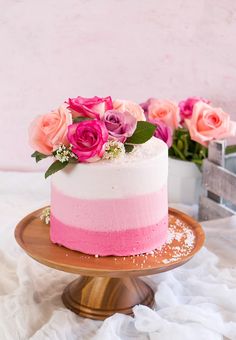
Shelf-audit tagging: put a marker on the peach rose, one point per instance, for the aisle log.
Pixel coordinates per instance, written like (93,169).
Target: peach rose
(164,110)
(133,108)
(208,123)
(48,131)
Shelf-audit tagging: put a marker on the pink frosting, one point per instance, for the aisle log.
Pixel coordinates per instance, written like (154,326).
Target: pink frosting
(104,243)
(110,214)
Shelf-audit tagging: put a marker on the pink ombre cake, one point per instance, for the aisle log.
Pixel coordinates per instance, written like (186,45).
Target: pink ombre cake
(113,207)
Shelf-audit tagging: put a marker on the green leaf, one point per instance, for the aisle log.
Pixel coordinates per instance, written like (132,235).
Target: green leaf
(185,148)
(38,156)
(54,167)
(144,131)
(128,148)
(80,119)
(73,160)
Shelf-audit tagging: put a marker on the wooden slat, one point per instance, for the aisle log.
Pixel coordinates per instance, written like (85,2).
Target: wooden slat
(220,181)
(216,152)
(208,209)
(219,184)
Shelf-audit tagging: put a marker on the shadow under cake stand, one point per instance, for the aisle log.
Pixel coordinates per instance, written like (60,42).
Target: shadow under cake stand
(110,284)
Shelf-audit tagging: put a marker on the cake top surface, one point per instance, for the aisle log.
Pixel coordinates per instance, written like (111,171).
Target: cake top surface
(143,152)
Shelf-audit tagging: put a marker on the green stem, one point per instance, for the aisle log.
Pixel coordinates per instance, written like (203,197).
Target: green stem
(179,153)
(196,150)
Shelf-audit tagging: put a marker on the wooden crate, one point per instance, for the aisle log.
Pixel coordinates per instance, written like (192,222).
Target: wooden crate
(219,183)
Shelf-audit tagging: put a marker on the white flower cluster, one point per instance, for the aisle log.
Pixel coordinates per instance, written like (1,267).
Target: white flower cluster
(113,150)
(64,153)
(45,216)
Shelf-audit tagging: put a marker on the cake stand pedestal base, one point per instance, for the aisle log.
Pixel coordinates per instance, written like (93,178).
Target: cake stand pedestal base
(100,297)
(110,284)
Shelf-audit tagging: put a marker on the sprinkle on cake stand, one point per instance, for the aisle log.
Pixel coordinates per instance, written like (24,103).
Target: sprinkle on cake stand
(110,284)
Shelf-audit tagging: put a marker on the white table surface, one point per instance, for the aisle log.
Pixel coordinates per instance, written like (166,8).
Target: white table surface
(196,301)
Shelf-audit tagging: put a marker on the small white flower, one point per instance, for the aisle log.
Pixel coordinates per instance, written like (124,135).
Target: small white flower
(64,153)
(45,215)
(114,149)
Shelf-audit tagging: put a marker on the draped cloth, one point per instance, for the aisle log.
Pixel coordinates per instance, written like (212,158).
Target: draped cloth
(196,301)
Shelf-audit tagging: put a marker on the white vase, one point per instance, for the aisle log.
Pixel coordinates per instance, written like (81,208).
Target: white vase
(184,182)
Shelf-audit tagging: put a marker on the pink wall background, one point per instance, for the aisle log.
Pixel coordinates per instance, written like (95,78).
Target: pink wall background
(53,49)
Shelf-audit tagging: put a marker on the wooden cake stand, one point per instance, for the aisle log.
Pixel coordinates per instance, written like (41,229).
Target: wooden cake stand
(108,285)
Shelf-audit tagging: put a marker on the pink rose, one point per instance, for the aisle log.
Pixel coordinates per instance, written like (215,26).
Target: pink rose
(186,106)
(88,139)
(89,107)
(133,108)
(145,106)
(164,110)
(163,132)
(208,123)
(48,131)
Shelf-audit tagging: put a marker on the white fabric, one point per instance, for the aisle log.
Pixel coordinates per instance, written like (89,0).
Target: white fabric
(195,301)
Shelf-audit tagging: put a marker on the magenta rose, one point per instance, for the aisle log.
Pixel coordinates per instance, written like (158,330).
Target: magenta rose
(163,131)
(89,107)
(88,139)
(120,125)
(186,106)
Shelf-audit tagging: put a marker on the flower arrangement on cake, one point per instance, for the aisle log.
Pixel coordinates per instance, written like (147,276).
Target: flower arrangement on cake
(189,126)
(87,130)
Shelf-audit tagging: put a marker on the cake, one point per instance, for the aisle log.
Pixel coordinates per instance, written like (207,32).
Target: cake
(114,207)
(109,176)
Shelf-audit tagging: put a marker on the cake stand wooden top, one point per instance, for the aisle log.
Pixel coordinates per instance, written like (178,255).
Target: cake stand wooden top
(185,238)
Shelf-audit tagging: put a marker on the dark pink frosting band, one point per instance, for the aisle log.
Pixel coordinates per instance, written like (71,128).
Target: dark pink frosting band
(104,243)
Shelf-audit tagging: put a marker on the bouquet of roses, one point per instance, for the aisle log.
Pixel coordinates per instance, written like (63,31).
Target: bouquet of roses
(87,130)
(90,129)
(189,126)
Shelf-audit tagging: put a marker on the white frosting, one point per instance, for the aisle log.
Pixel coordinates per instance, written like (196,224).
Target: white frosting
(140,172)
